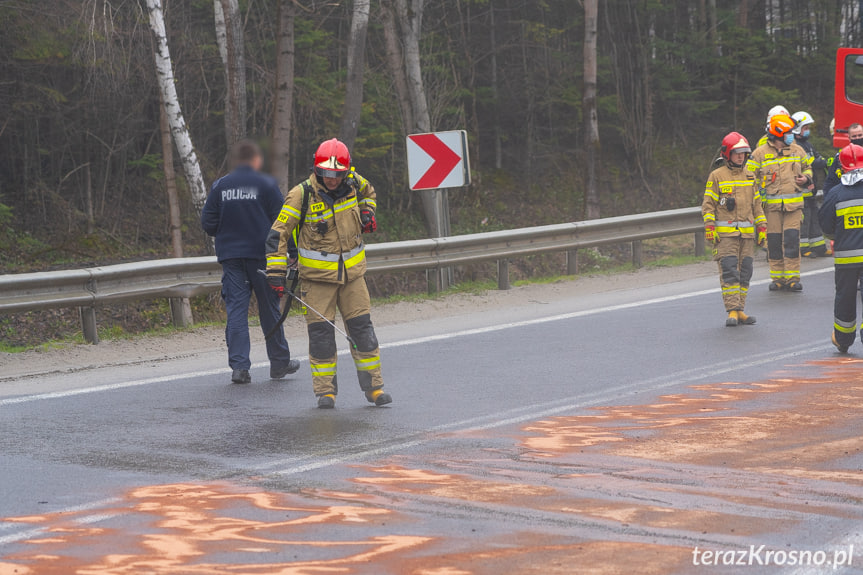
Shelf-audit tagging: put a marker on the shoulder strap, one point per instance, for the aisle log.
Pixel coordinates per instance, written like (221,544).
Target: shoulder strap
(307,193)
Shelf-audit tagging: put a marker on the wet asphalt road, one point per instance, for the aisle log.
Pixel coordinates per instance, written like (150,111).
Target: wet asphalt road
(472,455)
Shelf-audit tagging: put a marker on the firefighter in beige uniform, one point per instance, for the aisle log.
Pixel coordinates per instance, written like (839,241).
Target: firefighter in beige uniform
(782,174)
(733,219)
(332,265)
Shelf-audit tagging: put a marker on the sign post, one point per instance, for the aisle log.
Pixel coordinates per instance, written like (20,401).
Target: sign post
(437,161)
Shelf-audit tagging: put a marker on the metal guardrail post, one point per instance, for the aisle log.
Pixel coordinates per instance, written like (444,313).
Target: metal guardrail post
(571,262)
(88,324)
(181,312)
(637,259)
(433,281)
(503,275)
(699,244)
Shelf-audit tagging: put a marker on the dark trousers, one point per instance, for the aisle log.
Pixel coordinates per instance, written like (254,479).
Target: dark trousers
(811,238)
(240,278)
(845,305)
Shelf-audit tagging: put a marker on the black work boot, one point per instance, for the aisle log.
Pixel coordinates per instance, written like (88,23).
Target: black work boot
(326,401)
(280,371)
(795,285)
(241,376)
(379,397)
(743,319)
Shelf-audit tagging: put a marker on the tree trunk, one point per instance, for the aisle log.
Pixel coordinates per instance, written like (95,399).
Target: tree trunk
(173,204)
(168,90)
(498,153)
(170,183)
(284,98)
(396,64)
(591,123)
(356,66)
(229,36)
(410,21)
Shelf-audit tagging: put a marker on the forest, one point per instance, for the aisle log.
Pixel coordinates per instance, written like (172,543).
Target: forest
(94,170)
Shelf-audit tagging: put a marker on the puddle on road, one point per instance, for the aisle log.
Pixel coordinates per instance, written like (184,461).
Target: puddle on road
(728,464)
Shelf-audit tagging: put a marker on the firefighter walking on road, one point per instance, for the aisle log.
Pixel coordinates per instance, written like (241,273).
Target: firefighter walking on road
(841,216)
(781,173)
(330,212)
(733,221)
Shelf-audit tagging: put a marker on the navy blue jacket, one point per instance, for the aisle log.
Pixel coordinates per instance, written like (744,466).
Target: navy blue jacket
(239,213)
(841,216)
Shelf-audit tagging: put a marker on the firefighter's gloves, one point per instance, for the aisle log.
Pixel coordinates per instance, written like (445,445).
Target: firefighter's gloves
(710,234)
(370,225)
(762,236)
(278,282)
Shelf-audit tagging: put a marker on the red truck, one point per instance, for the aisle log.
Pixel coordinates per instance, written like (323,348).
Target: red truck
(848,96)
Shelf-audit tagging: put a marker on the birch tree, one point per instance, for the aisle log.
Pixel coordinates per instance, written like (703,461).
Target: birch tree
(356,67)
(591,123)
(179,130)
(229,37)
(284,100)
(409,14)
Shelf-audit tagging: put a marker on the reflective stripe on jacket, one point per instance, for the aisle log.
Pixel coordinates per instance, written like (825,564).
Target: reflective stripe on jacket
(841,216)
(725,183)
(774,170)
(330,245)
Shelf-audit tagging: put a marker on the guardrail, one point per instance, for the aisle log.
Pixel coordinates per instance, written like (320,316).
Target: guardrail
(179,278)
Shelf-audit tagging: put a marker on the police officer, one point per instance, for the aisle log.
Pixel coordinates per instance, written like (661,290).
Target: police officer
(239,211)
(781,173)
(812,242)
(733,219)
(841,216)
(336,205)
(834,167)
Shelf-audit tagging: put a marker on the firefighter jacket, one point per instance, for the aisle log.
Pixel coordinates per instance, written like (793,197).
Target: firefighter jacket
(815,161)
(723,184)
(330,245)
(774,170)
(834,173)
(841,216)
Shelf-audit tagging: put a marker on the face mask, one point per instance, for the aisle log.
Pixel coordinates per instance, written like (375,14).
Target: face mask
(858,141)
(805,134)
(788,139)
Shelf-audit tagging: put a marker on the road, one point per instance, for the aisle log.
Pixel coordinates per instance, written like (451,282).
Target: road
(626,431)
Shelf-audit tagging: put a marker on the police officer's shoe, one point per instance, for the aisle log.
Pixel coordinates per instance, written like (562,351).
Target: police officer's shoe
(841,348)
(326,401)
(241,376)
(744,319)
(794,285)
(379,397)
(776,285)
(732,319)
(280,371)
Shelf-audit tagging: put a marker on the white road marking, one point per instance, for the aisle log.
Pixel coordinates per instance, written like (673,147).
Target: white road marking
(392,345)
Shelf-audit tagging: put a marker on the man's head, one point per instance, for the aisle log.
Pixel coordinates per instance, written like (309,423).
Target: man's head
(247,153)
(855,133)
(735,149)
(851,158)
(332,163)
(779,130)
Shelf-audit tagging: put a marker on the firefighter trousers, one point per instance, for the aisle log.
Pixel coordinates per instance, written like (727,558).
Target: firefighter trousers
(783,245)
(811,238)
(352,302)
(734,255)
(847,280)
